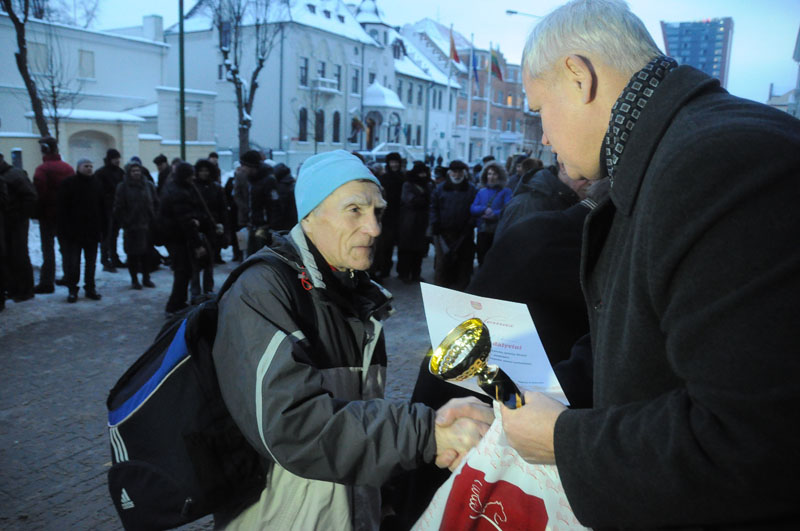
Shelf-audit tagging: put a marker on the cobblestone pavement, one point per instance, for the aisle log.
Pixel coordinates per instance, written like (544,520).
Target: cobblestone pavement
(59,362)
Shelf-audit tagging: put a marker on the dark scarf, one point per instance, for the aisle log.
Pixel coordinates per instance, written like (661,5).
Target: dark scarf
(628,107)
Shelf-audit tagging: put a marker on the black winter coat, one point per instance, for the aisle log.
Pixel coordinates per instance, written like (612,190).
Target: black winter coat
(214,196)
(285,215)
(450,208)
(109,176)
(414,214)
(537,191)
(691,270)
(21,193)
(135,207)
(180,204)
(263,196)
(392,183)
(81,209)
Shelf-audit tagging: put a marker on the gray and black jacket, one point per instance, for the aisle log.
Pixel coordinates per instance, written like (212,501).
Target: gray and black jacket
(301,364)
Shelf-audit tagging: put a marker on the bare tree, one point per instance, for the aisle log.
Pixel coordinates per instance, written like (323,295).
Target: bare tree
(58,86)
(234,20)
(19,12)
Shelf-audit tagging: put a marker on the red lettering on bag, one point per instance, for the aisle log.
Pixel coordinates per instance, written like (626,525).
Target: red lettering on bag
(478,505)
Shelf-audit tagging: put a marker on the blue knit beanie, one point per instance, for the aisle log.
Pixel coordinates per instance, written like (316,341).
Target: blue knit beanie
(321,174)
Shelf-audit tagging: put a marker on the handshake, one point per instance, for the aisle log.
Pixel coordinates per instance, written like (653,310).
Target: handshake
(460,425)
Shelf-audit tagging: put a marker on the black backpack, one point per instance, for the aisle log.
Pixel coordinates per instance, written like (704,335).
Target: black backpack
(177,454)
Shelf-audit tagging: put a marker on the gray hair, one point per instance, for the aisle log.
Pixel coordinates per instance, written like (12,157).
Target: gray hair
(604,29)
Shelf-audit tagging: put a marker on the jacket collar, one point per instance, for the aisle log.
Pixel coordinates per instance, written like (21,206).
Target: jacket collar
(683,84)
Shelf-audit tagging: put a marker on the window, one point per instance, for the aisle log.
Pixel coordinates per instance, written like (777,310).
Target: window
(499,124)
(341,18)
(474,119)
(338,77)
(397,50)
(510,100)
(407,133)
(385,39)
(311,8)
(304,71)
(519,126)
(321,69)
(385,83)
(225,35)
(319,126)
(371,78)
(337,127)
(441,93)
(500,97)
(508,125)
(38,57)
(419,95)
(400,88)
(355,89)
(327,13)
(419,135)
(374,34)
(86,65)
(450,108)
(302,125)
(220,72)
(411,93)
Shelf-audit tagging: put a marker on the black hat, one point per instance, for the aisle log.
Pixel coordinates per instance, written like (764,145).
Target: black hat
(184,171)
(394,155)
(420,166)
(457,165)
(213,154)
(251,158)
(48,144)
(161,159)
(113,154)
(207,164)
(281,170)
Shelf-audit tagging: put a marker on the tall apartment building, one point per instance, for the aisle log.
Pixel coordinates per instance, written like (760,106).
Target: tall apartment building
(705,45)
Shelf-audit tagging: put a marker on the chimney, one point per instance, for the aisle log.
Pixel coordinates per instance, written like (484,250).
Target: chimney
(153,28)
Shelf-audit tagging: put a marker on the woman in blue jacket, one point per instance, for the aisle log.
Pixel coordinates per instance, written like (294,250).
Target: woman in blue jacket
(488,206)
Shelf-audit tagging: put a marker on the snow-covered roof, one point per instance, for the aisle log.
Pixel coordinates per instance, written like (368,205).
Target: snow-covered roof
(439,36)
(377,95)
(415,64)
(89,115)
(327,15)
(145,111)
(368,12)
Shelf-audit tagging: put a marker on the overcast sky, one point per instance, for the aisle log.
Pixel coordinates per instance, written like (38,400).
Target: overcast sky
(764,32)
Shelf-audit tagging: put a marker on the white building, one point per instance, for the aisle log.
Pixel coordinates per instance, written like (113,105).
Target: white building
(115,94)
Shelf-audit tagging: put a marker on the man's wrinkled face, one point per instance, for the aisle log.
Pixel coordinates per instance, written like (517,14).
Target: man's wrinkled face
(457,175)
(564,124)
(345,225)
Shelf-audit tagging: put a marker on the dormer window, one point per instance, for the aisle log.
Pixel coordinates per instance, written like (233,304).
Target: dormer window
(327,13)
(311,8)
(341,19)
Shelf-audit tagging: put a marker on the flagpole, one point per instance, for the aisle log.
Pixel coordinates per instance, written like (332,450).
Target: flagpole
(488,99)
(469,95)
(450,97)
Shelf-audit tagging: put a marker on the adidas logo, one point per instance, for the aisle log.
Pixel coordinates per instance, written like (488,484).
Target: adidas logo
(125,500)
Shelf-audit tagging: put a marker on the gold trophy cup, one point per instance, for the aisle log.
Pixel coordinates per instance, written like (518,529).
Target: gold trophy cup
(462,354)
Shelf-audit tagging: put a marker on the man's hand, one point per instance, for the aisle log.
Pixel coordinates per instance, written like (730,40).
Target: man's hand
(460,424)
(529,429)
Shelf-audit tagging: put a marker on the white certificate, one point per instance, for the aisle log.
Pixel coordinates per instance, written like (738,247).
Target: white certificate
(516,347)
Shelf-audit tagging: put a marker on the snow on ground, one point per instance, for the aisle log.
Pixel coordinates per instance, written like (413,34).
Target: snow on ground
(114,287)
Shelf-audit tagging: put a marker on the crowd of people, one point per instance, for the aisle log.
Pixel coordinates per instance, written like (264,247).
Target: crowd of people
(187,209)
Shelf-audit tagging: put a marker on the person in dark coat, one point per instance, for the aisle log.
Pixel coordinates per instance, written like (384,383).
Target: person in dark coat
(412,240)
(82,216)
(3,252)
(164,170)
(285,215)
(392,184)
(452,228)
(691,273)
(538,191)
(263,195)
(18,271)
(214,198)
(487,209)
(47,178)
(135,207)
(110,175)
(233,218)
(183,221)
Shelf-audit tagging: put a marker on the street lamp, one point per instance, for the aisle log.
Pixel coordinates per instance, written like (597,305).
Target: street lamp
(521,13)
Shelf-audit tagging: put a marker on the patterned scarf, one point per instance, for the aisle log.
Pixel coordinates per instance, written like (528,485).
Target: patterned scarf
(628,108)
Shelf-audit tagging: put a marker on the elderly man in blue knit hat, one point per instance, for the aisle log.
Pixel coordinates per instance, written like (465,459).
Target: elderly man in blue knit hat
(301,365)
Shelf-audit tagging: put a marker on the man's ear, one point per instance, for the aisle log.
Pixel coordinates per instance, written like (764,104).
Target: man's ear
(581,75)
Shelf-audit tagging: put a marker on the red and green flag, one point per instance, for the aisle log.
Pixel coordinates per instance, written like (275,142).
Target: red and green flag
(496,66)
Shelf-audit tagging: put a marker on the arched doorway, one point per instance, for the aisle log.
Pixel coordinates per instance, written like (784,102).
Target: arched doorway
(91,145)
(373,123)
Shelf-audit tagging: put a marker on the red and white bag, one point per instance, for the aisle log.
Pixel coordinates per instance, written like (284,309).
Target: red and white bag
(494,488)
